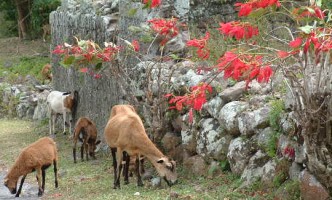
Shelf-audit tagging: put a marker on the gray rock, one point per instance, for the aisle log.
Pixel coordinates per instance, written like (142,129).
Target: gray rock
(239,153)
(254,169)
(233,93)
(213,106)
(211,141)
(250,122)
(228,116)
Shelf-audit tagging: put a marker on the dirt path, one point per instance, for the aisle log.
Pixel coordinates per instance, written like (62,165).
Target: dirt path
(29,192)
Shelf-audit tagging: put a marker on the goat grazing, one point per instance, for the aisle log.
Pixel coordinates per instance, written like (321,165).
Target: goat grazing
(46,72)
(85,131)
(124,132)
(38,156)
(61,103)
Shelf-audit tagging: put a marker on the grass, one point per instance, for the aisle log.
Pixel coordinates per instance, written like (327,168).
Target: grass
(94,179)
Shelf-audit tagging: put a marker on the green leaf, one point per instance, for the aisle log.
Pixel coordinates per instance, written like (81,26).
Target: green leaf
(174,56)
(306,29)
(132,12)
(69,60)
(319,3)
(98,66)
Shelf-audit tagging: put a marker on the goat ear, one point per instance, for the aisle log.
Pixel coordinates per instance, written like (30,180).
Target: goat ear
(98,142)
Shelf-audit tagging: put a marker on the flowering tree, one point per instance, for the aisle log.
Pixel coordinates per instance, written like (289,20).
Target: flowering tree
(303,57)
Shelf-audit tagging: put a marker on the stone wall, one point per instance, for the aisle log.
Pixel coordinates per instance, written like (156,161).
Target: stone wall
(96,96)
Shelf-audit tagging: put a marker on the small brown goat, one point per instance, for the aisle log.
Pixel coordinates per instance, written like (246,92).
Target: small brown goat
(86,132)
(38,156)
(47,72)
(46,31)
(125,132)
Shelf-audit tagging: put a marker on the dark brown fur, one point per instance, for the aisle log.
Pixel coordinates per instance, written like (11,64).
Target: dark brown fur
(87,129)
(38,156)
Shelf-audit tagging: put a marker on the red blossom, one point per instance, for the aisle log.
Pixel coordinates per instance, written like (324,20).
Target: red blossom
(244,67)
(246,8)
(167,28)
(194,100)
(296,43)
(239,30)
(84,70)
(152,3)
(201,44)
(135,45)
(305,12)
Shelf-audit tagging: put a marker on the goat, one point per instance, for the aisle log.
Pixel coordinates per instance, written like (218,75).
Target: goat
(125,132)
(46,31)
(85,131)
(38,156)
(61,103)
(46,72)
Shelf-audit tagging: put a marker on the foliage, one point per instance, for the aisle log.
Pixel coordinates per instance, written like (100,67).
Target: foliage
(26,66)
(8,15)
(277,108)
(87,56)
(40,10)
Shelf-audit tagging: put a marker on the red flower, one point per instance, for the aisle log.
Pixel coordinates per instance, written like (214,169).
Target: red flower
(283,54)
(84,70)
(296,43)
(246,8)
(135,45)
(202,50)
(244,66)
(152,3)
(238,29)
(59,50)
(166,28)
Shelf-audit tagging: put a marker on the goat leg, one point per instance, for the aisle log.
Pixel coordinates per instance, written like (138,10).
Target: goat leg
(138,173)
(82,152)
(126,158)
(40,190)
(20,188)
(55,164)
(113,150)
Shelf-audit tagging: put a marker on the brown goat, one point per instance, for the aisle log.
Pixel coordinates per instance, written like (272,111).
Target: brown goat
(125,132)
(38,156)
(86,132)
(47,72)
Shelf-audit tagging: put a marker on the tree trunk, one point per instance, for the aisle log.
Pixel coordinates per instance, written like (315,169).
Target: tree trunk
(23,13)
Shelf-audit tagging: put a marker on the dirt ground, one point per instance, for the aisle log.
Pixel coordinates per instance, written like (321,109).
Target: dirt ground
(13,48)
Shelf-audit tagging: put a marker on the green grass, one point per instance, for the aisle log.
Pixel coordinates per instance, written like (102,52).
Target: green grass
(94,179)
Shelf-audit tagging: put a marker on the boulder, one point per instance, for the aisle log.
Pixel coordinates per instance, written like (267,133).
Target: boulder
(212,142)
(228,116)
(239,154)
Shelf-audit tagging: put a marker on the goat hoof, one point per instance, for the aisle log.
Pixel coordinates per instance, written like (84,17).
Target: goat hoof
(140,184)
(17,195)
(40,193)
